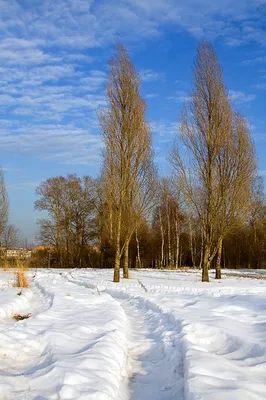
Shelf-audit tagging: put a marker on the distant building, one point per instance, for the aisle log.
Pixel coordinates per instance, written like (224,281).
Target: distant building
(20,253)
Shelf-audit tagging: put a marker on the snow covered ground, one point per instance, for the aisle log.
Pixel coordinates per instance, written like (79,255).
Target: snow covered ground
(160,335)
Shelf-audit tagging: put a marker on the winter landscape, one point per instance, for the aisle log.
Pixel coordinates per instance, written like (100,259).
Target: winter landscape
(132,200)
(160,335)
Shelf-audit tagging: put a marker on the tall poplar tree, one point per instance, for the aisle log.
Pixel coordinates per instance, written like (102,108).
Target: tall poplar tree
(128,158)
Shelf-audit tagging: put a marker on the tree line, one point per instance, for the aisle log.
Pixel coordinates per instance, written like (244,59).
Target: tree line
(10,236)
(209,213)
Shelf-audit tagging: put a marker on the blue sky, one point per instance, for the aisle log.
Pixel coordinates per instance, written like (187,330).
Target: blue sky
(53,59)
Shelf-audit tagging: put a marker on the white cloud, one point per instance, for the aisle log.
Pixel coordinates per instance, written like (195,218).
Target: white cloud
(254,60)
(260,86)
(93,82)
(151,96)
(180,96)
(15,51)
(165,129)
(240,97)
(148,75)
(40,93)
(93,23)
(65,143)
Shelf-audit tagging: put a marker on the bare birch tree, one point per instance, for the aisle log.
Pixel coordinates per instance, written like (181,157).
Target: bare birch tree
(128,166)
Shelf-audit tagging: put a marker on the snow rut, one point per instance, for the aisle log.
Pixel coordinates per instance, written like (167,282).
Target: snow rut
(155,362)
(155,354)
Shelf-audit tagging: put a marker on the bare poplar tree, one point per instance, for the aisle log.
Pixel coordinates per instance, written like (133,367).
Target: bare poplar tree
(236,167)
(128,166)
(205,127)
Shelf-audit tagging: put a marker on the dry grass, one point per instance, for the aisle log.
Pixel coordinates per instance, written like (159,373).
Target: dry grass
(5,265)
(21,279)
(11,264)
(19,317)
(20,264)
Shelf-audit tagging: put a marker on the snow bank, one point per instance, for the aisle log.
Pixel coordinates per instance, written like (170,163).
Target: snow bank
(76,349)
(12,301)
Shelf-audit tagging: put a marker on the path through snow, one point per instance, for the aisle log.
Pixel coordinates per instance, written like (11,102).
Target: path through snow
(155,359)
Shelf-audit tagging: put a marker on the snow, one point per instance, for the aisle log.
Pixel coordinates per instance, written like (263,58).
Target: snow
(160,335)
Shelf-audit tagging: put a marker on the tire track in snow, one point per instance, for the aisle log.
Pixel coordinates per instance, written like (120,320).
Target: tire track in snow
(155,354)
(155,360)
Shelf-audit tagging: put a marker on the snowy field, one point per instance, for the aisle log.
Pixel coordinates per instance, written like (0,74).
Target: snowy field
(157,336)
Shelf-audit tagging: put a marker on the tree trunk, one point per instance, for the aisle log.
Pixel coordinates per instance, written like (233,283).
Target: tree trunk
(111,223)
(206,262)
(162,242)
(180,258)
(138,250)
(219,257)
(117,250)
(177,244)
(117,266)
(125,266)
(191,242)
(58,240)
(177,251)
(49,259)
(169,236)
(201,249)
(101,259)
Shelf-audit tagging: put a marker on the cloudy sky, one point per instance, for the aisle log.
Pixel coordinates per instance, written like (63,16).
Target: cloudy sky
(53,59)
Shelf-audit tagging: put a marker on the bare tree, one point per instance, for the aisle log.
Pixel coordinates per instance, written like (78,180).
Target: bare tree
(50,195)
(236,167)
(205,127)
(128,167)
(11,237)
(4,204)
(168,220)
(162,239)
(71,223)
